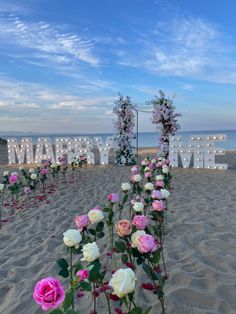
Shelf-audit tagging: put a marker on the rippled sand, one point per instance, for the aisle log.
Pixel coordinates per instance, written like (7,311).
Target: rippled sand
(200,245)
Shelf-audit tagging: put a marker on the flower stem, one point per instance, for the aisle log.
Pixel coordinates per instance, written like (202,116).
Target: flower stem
(71,277)
(94,298)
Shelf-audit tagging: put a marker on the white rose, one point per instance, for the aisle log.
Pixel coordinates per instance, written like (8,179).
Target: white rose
(5,173)
(31,170)
(153,161)
(160,177)
(54,166)
(137,178)
(33,176)
(147,169)
(14,174)
(90,252)
(95,215)
(21,168)
(165,169)
(125,186)
(123,282)
(138,206)
(165,193)
(148,186)
(135,237)
(72,237)
(144,162)
(1,187)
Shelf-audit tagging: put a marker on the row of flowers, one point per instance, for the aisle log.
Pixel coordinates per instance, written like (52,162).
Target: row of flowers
(15,186)
(135,220)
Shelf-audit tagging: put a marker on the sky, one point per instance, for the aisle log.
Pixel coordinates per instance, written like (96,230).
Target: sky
(63,62)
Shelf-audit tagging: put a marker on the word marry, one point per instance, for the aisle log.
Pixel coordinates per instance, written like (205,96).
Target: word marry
(23,152)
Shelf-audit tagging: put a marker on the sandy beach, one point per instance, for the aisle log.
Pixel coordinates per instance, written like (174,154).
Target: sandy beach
(200,245)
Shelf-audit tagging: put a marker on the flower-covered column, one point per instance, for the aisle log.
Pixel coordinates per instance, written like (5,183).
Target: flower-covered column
(165,117)
(125,126)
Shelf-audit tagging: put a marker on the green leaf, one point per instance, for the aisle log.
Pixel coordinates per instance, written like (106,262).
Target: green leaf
(100,226)
(102,275)
(71,312)
(139,260)
(106,210)
(57,311)
(124,258)
(148,310)
(136,310)
(94,272)
(161,282)
(62,263)
(100,235)
(136,252)
(120,246)
(156,257)
(86,286)
(68,299)
(92,232)
(78,267)
(64,273)
(150,272)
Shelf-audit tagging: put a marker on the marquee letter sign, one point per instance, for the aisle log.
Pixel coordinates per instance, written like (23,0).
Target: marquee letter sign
(70,148)
(22,152)
(201,147)
(44,150)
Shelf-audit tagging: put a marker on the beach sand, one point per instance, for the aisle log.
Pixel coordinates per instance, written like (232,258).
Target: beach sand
(200,246)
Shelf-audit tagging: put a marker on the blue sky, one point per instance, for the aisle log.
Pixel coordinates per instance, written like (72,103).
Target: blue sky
(63,63)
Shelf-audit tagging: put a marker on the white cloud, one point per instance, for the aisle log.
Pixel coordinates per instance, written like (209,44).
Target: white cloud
(186,47)
(48,41)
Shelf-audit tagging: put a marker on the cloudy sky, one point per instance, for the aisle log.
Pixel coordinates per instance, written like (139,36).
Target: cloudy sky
(63,63)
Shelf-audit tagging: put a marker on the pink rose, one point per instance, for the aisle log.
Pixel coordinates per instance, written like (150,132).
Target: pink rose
(158,205)
(26,189)
(44,171)
(151,166)
(123,228)
(134,170)
(159,184)
(13,178)
(156,194)
(148,175)
(113,198)
(81,221)
(147,244)
(82,274)
(49,293)
(159,165)
(140,221)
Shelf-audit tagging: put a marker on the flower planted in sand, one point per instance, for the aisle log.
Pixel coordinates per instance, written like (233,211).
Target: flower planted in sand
(82,222)
(125,187)
(72,238)
(140,221)
(138,206)
(90,252)
(95,215)
(123,282)
(49,293)
(123,228)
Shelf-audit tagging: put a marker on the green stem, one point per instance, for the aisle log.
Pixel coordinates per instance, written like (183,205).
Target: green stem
(107,298)
(0,217)
(94,298)
(71,277)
